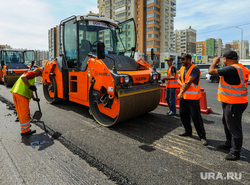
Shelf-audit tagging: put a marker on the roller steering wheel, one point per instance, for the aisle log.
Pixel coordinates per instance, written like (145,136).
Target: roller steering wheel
(94,45)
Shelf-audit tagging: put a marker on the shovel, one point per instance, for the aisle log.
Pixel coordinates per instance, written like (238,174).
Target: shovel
(38,114)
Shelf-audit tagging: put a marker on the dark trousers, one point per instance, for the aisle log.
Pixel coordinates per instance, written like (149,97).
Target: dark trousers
(170,99)
(191,109)
(232,116)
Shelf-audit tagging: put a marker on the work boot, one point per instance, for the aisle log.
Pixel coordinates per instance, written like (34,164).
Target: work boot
(232,157)
(204,142)
(28,133)
(171,114)
(185,134)
(223,147)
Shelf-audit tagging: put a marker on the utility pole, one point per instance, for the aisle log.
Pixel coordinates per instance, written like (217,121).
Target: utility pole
(241,41)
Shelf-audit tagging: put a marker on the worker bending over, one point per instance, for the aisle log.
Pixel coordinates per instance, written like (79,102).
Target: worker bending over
(22,92)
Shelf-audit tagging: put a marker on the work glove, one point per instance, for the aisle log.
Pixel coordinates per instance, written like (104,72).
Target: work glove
(36,99)
(33,88)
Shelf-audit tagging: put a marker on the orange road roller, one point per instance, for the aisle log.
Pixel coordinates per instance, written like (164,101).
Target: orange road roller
(14,62)
(96,68)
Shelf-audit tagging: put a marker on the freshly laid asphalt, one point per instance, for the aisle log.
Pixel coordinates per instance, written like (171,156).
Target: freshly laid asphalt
(39,159)
(143,150)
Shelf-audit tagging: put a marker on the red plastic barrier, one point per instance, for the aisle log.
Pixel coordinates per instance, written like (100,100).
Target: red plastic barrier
(203,100)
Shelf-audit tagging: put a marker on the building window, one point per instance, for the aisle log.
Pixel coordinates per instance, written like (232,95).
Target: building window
(138,13)
(153,8)
(138,6)
(138,25)
(120,9)
(153,15)
(138,19)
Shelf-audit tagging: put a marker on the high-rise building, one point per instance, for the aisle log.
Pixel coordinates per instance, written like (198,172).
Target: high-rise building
(40,56)
(236,46)
(201,48)
(213,47)
(185,41)
(156,17)
(54,45)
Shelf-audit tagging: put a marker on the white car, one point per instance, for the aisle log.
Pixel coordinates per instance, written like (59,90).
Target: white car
(246,63)
(213,79)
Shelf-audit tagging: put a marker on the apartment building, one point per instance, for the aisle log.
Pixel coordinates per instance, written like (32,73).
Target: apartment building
(236,46)
(213,47)
(5,47)
(201,48)
(156,32)
(185,41)
(54,42)
(41,55)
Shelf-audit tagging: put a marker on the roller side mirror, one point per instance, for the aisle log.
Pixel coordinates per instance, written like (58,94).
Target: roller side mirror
(100,50)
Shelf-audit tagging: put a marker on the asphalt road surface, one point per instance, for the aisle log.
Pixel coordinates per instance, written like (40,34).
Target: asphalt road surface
(147,149)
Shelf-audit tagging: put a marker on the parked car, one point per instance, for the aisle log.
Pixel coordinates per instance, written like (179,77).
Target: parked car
(203,69)
(246,63)
(213,79)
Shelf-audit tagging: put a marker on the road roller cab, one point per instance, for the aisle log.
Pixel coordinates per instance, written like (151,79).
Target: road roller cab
(14,63)
(96,68)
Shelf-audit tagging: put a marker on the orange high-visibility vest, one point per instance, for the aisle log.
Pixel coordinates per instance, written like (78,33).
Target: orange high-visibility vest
(234,94)
(172,83)
(194,91)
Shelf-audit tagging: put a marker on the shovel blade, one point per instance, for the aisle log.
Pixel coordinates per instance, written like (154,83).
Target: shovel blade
(37,115)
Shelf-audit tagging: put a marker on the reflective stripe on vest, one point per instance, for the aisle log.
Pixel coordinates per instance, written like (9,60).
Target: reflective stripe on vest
(21,88)
(194,91)
(234,94)
(172,83)
(24,124)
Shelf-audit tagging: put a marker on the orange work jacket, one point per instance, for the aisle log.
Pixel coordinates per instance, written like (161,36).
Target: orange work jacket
(194,91)
(234,94)
(172,83)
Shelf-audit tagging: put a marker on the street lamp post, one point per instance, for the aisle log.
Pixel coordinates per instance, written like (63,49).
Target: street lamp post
(241,40)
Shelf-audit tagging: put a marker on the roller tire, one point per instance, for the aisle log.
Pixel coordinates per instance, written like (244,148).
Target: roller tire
(6,82)
(101,118)
(50,91)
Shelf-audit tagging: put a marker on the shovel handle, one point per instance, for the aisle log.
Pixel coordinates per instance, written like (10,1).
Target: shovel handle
(38,101)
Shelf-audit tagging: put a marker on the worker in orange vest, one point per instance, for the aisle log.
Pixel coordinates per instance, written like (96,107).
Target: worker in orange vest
(189,96)
(22,92)
(232,93)
(171,86)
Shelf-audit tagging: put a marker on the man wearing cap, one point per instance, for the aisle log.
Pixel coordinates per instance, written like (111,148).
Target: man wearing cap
(22,92)
(232,93)
(171,86)
(189,96)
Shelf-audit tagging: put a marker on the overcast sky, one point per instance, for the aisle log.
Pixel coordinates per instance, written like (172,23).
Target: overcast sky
(25,23)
